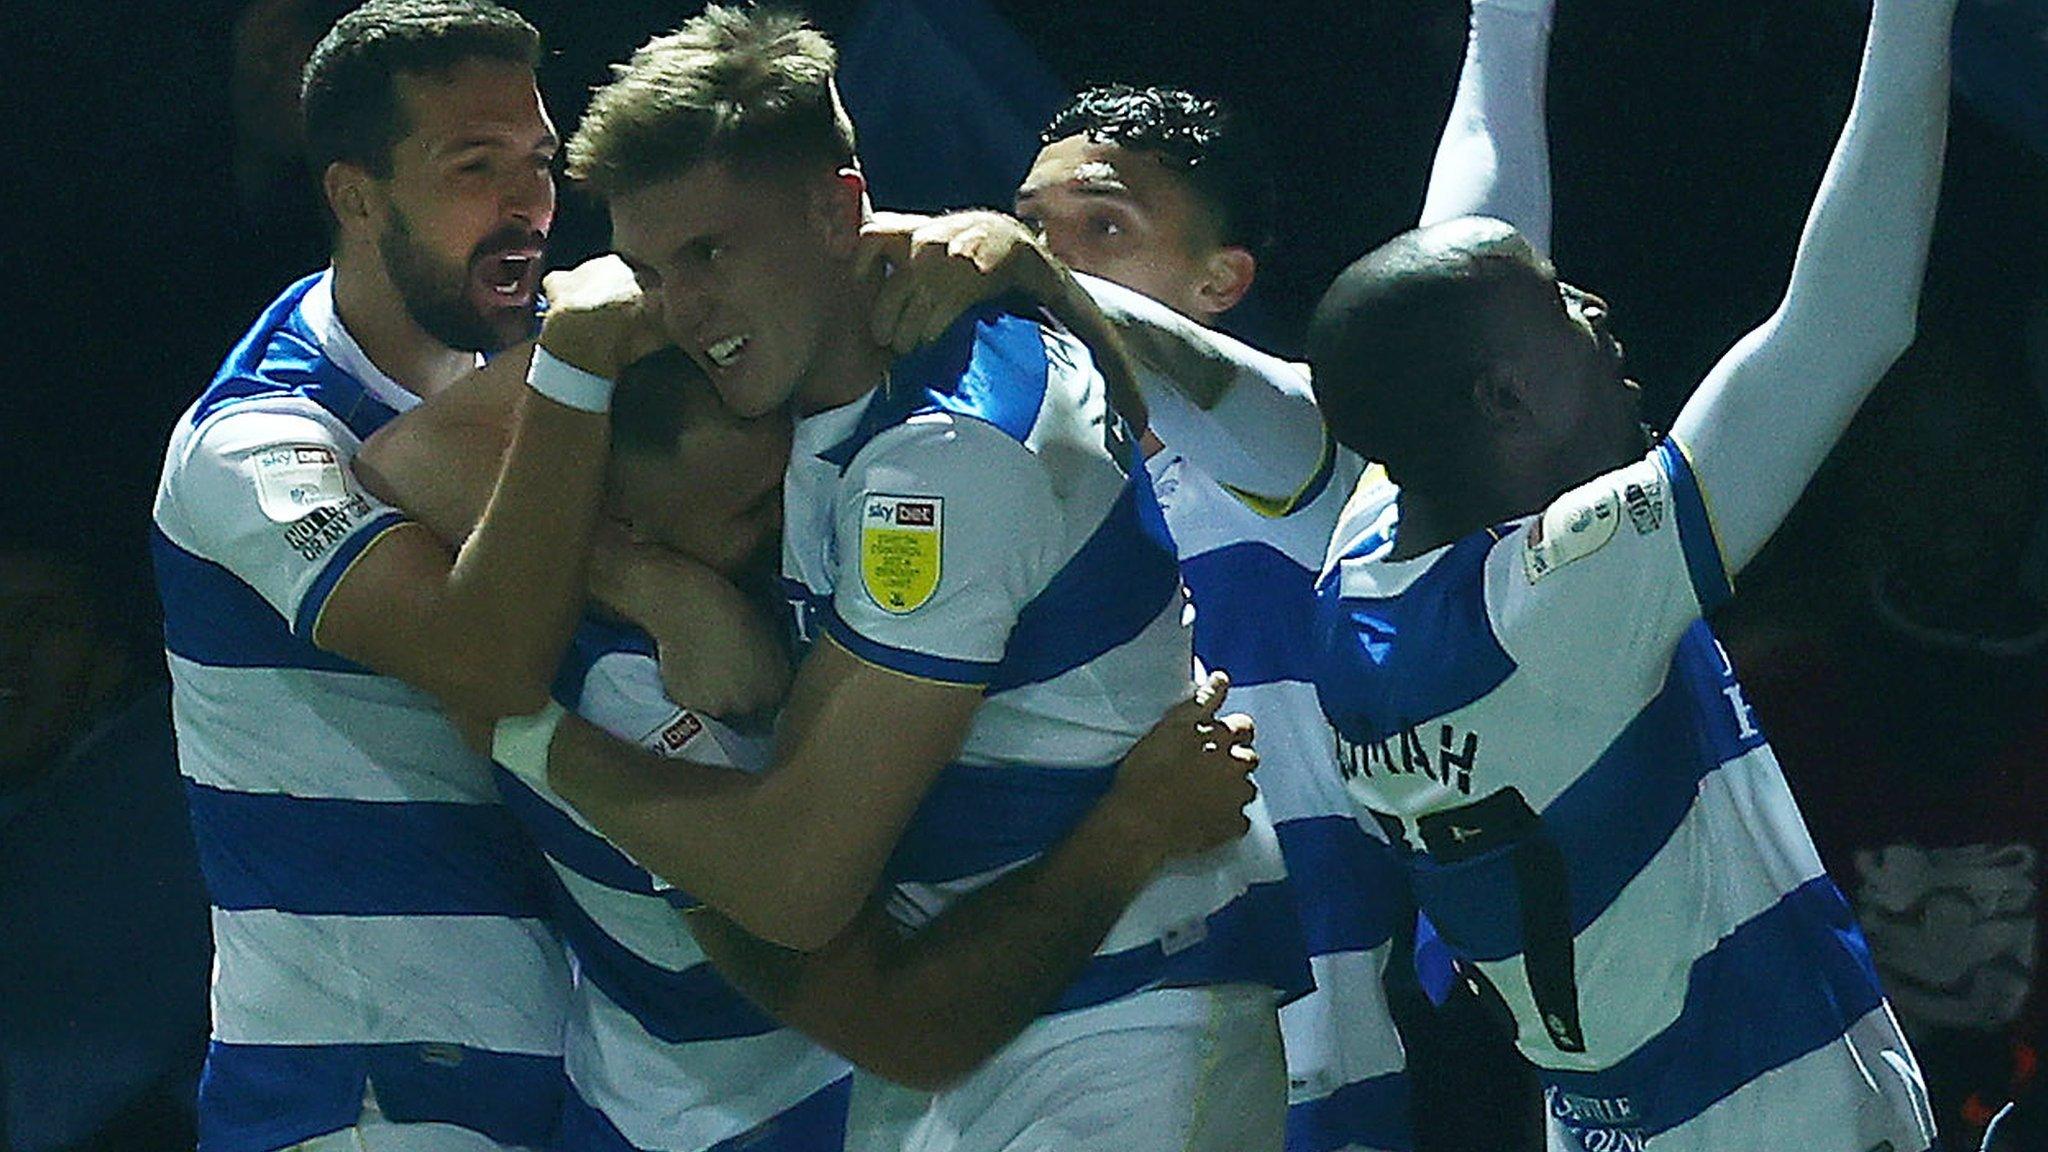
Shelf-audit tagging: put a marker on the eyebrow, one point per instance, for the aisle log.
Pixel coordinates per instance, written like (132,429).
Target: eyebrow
(1105,188)
(546,141)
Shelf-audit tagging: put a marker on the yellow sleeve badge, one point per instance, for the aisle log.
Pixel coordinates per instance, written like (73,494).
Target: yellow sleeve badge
(899,549)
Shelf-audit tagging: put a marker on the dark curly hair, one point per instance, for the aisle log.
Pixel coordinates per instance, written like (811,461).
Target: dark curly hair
(1221,160)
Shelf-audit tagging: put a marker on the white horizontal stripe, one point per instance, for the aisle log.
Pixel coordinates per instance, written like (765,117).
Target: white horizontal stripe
(1634,961)
(647,926)
(1341,1033)
(320,734)
(1205,517)
(1297,771)
(484,981)
(686,1097)
(1186,891)
(1090,715)
(1850,1096)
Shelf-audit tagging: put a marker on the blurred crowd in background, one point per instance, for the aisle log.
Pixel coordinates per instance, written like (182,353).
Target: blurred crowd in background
(1893,639)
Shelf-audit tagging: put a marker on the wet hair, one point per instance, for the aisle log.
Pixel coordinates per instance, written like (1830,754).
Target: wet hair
(1213,151)
(1402,336)
(751,87)
(348,96)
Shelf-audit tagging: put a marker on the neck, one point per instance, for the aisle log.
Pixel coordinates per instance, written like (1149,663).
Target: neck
(372,310)
(849,363)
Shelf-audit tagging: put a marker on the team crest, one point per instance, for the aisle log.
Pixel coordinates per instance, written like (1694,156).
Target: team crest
(899,549)
(1578,524)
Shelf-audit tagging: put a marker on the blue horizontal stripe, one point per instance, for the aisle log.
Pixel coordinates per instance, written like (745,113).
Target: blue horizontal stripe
(593,641)
(569,843)
(1254,613)
(211,617)
(922,665)
(675,1006)
(1614,819)
(815,1124)
(978,817)
(326,857)
(1349,886)
(990,365)
(1254,939)
(337,566)
(1368,1114)
(1368,690)
(281,354)
(1786,983)
(260,1097)
(1703,562)
(1112,589)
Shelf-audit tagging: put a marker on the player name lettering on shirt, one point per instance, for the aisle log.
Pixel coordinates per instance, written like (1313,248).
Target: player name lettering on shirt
(314,533)
(1601,1123)
(1406,753)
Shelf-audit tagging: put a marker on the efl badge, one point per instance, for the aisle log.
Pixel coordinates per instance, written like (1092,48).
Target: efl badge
(899,549)
(294,479)
(1579,524)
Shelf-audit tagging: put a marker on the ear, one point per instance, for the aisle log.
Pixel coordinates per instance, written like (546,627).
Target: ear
(348,189)
(1226,276)
(838,207)
(1500,395)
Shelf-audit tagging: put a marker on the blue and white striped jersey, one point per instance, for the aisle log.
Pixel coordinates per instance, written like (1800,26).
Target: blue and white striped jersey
(663,1055)
(1589,814)
(378,914)
(983,520)
(1252,579)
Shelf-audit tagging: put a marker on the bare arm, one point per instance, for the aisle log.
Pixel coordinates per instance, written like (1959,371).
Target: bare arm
(925,1008)
(481,627)
(1494,156)
(793,854)
(440,461)
(1769,412)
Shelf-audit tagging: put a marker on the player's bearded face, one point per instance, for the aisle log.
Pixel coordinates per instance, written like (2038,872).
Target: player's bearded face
(481,304)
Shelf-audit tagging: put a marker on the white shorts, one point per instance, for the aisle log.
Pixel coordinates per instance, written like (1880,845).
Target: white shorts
(372,1132)
(1170,1070)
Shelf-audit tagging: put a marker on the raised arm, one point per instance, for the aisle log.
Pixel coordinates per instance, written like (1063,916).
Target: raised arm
(439,462)
(1767,415)
(1494,156)
(481,626)
(1248,418)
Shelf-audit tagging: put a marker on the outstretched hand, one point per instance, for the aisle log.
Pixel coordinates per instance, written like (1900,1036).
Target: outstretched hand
(1188,780)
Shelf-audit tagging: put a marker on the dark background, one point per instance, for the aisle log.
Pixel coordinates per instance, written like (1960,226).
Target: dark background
(1688,136)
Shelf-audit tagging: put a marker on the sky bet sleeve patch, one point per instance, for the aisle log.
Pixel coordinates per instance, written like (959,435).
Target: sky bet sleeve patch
(899,550)
(294,479)
(1578,524)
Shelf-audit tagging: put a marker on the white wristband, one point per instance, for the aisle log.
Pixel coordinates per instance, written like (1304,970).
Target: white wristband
(520,743)
(568,385)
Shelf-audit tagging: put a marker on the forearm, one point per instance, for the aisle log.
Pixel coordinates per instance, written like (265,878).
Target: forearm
(1494,156)
(1768,414)
(793,854)
(1246,418)
(516,586)
(440,461)
(926,1008)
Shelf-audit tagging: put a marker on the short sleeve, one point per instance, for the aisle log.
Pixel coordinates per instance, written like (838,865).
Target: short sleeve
(269,495)
(945,529)
(623,694)
(1606,579)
